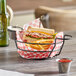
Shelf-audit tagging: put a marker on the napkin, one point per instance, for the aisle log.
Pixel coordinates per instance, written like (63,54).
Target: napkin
(11,73)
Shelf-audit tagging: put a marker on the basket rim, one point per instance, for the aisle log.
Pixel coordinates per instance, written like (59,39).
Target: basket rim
(43,43)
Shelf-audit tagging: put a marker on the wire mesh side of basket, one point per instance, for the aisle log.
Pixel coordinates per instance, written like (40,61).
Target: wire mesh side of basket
(50,51)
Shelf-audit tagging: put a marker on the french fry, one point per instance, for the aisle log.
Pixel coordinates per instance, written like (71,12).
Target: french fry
(35,47)
(41,47)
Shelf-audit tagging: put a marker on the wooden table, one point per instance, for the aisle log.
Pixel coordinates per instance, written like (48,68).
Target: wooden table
(10,60)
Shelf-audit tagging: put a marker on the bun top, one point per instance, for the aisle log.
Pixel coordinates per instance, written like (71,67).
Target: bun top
(41,30)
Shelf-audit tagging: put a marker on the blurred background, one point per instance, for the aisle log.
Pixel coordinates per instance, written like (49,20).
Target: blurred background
(24,9)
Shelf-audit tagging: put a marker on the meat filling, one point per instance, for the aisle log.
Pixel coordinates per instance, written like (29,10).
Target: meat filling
(38,35)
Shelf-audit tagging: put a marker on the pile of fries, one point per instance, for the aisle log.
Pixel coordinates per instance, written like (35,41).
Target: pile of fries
(41,47)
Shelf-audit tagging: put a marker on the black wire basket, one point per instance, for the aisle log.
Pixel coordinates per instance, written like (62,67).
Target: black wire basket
(41,54)
(30,53)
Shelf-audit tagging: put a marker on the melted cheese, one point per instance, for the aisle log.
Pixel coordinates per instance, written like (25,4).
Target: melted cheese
(41,32)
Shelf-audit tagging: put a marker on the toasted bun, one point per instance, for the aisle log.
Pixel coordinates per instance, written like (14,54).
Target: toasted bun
(41,30)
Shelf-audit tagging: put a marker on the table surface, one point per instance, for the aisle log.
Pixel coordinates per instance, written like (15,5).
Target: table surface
(10,60)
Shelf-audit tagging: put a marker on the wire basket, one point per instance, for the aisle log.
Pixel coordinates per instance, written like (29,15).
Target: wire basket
(29,53)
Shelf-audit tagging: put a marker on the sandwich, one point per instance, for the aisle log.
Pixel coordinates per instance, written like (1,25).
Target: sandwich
(39,35)
(33,34)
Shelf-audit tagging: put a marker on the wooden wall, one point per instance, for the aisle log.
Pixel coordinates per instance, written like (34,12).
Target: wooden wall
(21,5)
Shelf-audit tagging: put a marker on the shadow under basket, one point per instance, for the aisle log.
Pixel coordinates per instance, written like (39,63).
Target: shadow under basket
(54,50)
